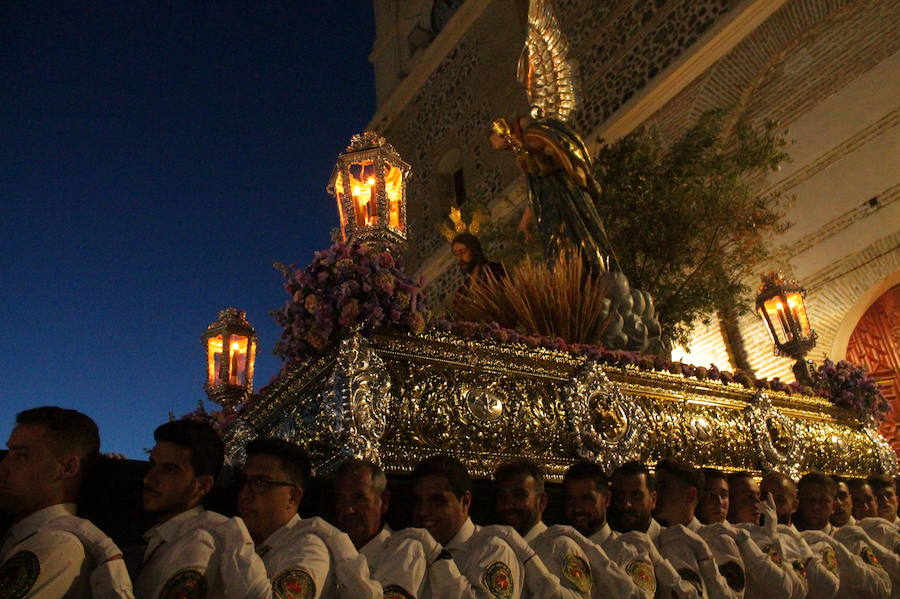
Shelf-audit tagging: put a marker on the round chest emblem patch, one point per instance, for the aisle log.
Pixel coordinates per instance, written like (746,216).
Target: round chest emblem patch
(498,580)
(773,554)
(693,578)
(642,574)
(733,574)
(830,559)
(577,571)
(184,584)
(18,574)
(394,591)
(293,584)
(869,556)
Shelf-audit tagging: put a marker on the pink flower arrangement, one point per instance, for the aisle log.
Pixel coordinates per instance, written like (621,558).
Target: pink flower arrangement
(849,386)
(346,286)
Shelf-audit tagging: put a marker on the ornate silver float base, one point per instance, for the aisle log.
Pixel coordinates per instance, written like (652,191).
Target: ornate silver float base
(398,399)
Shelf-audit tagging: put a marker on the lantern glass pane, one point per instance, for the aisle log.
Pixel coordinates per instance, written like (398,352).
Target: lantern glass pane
(798,310)
(781,328)
(213,360)
(393,187)
(363,184)
(237,368)
(339,196)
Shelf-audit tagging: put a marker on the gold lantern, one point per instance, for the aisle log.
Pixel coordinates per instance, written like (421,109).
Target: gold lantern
(369,185)
(230,356)
(781,305)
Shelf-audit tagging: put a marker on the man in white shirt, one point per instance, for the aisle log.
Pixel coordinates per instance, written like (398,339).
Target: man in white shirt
(633,500)
(711,552)
(864,502)
(442,496)
(304,558)
(842,512)
(860,572)
(361,502)
(587,497)
(48,552)
(184,550)
(886,495)
(749,512)
(520,502)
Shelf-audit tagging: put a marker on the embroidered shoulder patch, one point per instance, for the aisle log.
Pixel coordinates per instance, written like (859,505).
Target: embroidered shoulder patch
(693,578)
(578,572)
(799,568)
(773,554)
(393,591)
(869,556)
(18,574)
(498,580)
(293,584)
(830,559)
(184,584)
(642,574)
(733,574)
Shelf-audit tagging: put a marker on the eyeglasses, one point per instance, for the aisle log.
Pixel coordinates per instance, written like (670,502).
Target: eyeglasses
(260,486)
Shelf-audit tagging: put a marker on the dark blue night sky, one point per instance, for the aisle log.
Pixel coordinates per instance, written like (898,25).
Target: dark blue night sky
(157,158)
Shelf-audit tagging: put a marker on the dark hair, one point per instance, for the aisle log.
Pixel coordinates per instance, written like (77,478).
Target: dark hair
(205,444)
(585,470)
(817,478)
(855,484)
(740,475)
(773,476)
(350,467)
(879,482)
(521,467)
(453,470)
(838,479)
(294,459)
(712,474)
(684,472)
(634,468)
(71,431)
(471,242)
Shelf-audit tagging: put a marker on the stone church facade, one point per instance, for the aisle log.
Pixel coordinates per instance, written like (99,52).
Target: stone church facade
(826,70)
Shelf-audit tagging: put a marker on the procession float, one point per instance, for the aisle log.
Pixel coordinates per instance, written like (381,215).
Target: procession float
(370,372)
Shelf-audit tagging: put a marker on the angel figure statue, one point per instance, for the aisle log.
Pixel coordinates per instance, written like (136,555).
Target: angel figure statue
(562,191)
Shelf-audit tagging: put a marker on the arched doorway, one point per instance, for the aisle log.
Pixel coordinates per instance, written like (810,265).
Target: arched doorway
(875,343)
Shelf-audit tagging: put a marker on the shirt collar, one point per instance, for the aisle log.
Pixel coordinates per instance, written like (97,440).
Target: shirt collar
(654,529)
(31,523)
(601,535)
(694,524)
(377,540)
(535,531)
(171,528)
(462,536)
(273,539)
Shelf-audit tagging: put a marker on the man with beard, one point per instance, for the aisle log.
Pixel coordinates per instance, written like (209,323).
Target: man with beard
(864,503)
(842,512)
(520,503)
(48,552)
(852,554)
(473,264)
(633,500)
(749,512)
(192,552)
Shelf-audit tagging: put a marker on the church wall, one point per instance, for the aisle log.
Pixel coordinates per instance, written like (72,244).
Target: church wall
(827,70)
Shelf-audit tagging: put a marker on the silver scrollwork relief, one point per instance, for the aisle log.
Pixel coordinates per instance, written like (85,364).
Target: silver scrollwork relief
(606,427)
(777,444)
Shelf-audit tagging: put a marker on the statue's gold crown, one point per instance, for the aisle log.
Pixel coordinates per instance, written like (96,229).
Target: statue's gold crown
(459,225)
